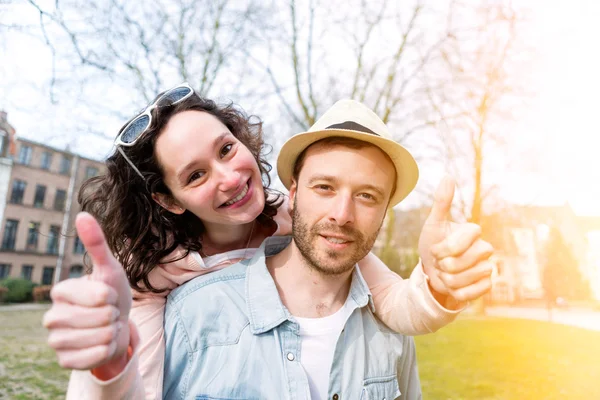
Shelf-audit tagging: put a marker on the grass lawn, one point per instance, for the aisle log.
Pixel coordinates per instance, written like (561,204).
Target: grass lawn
(27,365)
(471,359)
(509,359)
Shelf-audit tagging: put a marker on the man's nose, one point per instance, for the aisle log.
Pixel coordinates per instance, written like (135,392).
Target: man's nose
(342,210)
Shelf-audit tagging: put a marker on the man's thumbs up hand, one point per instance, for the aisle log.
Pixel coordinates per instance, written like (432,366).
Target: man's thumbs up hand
(454,256)
(88,321)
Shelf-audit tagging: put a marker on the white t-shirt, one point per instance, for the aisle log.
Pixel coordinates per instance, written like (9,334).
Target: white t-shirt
(318,340)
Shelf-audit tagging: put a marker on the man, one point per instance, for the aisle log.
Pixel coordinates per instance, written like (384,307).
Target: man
(296,321)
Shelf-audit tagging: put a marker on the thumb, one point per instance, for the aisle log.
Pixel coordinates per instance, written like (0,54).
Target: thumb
(92,237)
(442,203)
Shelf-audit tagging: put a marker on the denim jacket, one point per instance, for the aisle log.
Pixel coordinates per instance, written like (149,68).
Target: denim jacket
(228,336)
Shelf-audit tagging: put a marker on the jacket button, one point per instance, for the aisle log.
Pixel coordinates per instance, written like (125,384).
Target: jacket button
(290,356)
(335,397)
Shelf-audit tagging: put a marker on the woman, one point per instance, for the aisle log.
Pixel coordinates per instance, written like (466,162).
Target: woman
(186,193)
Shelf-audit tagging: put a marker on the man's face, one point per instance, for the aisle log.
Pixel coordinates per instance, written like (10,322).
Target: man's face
(339,202)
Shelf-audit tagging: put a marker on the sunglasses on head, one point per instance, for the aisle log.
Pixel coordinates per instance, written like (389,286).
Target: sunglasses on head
(140,124)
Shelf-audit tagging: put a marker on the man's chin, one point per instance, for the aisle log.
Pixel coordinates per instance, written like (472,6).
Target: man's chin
(337,266)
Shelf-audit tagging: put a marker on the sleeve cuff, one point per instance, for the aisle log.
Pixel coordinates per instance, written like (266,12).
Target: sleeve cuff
(127,385)
(441,311)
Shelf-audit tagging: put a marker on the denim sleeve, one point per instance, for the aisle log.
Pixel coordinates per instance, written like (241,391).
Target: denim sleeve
(408,373)
(177,355)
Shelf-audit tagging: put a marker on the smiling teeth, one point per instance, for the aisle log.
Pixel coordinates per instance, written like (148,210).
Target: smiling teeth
(238,197)
(336,240)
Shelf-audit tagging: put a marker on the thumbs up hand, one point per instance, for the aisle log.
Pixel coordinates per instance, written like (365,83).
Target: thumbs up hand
(88,321)
(454,256)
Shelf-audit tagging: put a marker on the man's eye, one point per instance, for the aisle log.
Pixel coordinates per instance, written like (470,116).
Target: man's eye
(323,187)
(226,149)
(196,175)
(367,196)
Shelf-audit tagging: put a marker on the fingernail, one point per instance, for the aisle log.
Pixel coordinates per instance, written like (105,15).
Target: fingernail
(112,348)
(119,326)
(116,313)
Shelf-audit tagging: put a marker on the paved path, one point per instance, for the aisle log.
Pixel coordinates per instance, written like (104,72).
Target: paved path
(24,307)
(581,318)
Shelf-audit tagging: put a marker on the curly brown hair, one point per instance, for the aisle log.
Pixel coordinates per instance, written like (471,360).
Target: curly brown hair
(141,233)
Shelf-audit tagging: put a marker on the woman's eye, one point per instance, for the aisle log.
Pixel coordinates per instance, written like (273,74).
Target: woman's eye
(196,175)
(226,149)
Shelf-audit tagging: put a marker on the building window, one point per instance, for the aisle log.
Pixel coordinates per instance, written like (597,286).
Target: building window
(59,200)
(4,271)
(47,275)
(76,271)
(65,165)
(3,142)
(78,247)
(26,271)
(24,155)
(10,234)
(52,244)
(90,172)
(18,191)
(500,267)
(32,236)
(46,160)
(40,193)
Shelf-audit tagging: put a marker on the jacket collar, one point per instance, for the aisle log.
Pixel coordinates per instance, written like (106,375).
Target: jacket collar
(265,309)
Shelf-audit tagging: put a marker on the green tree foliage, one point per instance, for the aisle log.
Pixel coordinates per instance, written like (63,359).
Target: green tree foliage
(401,262)
(561,274)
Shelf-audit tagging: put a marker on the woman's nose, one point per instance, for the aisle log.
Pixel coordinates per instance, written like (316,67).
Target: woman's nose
(229,179)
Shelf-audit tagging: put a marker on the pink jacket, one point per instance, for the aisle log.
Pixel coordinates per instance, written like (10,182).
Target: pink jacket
(406,306)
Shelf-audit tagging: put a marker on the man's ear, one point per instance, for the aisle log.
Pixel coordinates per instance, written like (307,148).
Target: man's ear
(293,190)
(168,203)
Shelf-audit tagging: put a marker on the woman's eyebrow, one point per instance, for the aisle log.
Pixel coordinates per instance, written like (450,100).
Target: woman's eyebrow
(220,138)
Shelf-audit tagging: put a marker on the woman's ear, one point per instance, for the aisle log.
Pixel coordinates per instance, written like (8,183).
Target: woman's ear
(167,203)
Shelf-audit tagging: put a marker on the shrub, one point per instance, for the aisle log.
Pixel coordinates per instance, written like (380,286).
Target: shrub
(19,290)
(42,293)
(3,292)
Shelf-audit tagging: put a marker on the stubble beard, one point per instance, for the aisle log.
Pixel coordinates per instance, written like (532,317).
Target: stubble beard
(332,262)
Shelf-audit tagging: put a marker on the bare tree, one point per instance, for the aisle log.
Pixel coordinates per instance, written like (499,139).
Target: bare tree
(486,91)
(422,66)
(388,55)
(138,50)
(376,54)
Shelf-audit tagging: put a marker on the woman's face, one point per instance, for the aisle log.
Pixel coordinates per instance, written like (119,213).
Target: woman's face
(209,171)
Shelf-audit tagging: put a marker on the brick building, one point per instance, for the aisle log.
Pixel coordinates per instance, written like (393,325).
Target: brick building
(38,240)
(7,133)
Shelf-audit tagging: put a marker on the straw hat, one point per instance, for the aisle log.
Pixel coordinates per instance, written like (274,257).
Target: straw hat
(349,118)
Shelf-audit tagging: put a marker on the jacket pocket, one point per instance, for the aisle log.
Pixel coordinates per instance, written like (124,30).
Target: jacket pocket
(381,388)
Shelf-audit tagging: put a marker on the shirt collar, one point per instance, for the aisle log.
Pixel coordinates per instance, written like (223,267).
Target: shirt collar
(266,311)
(359,290)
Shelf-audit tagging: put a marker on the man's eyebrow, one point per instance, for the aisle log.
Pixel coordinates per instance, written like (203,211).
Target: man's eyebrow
(189,165)
(321,177)
(375,189)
